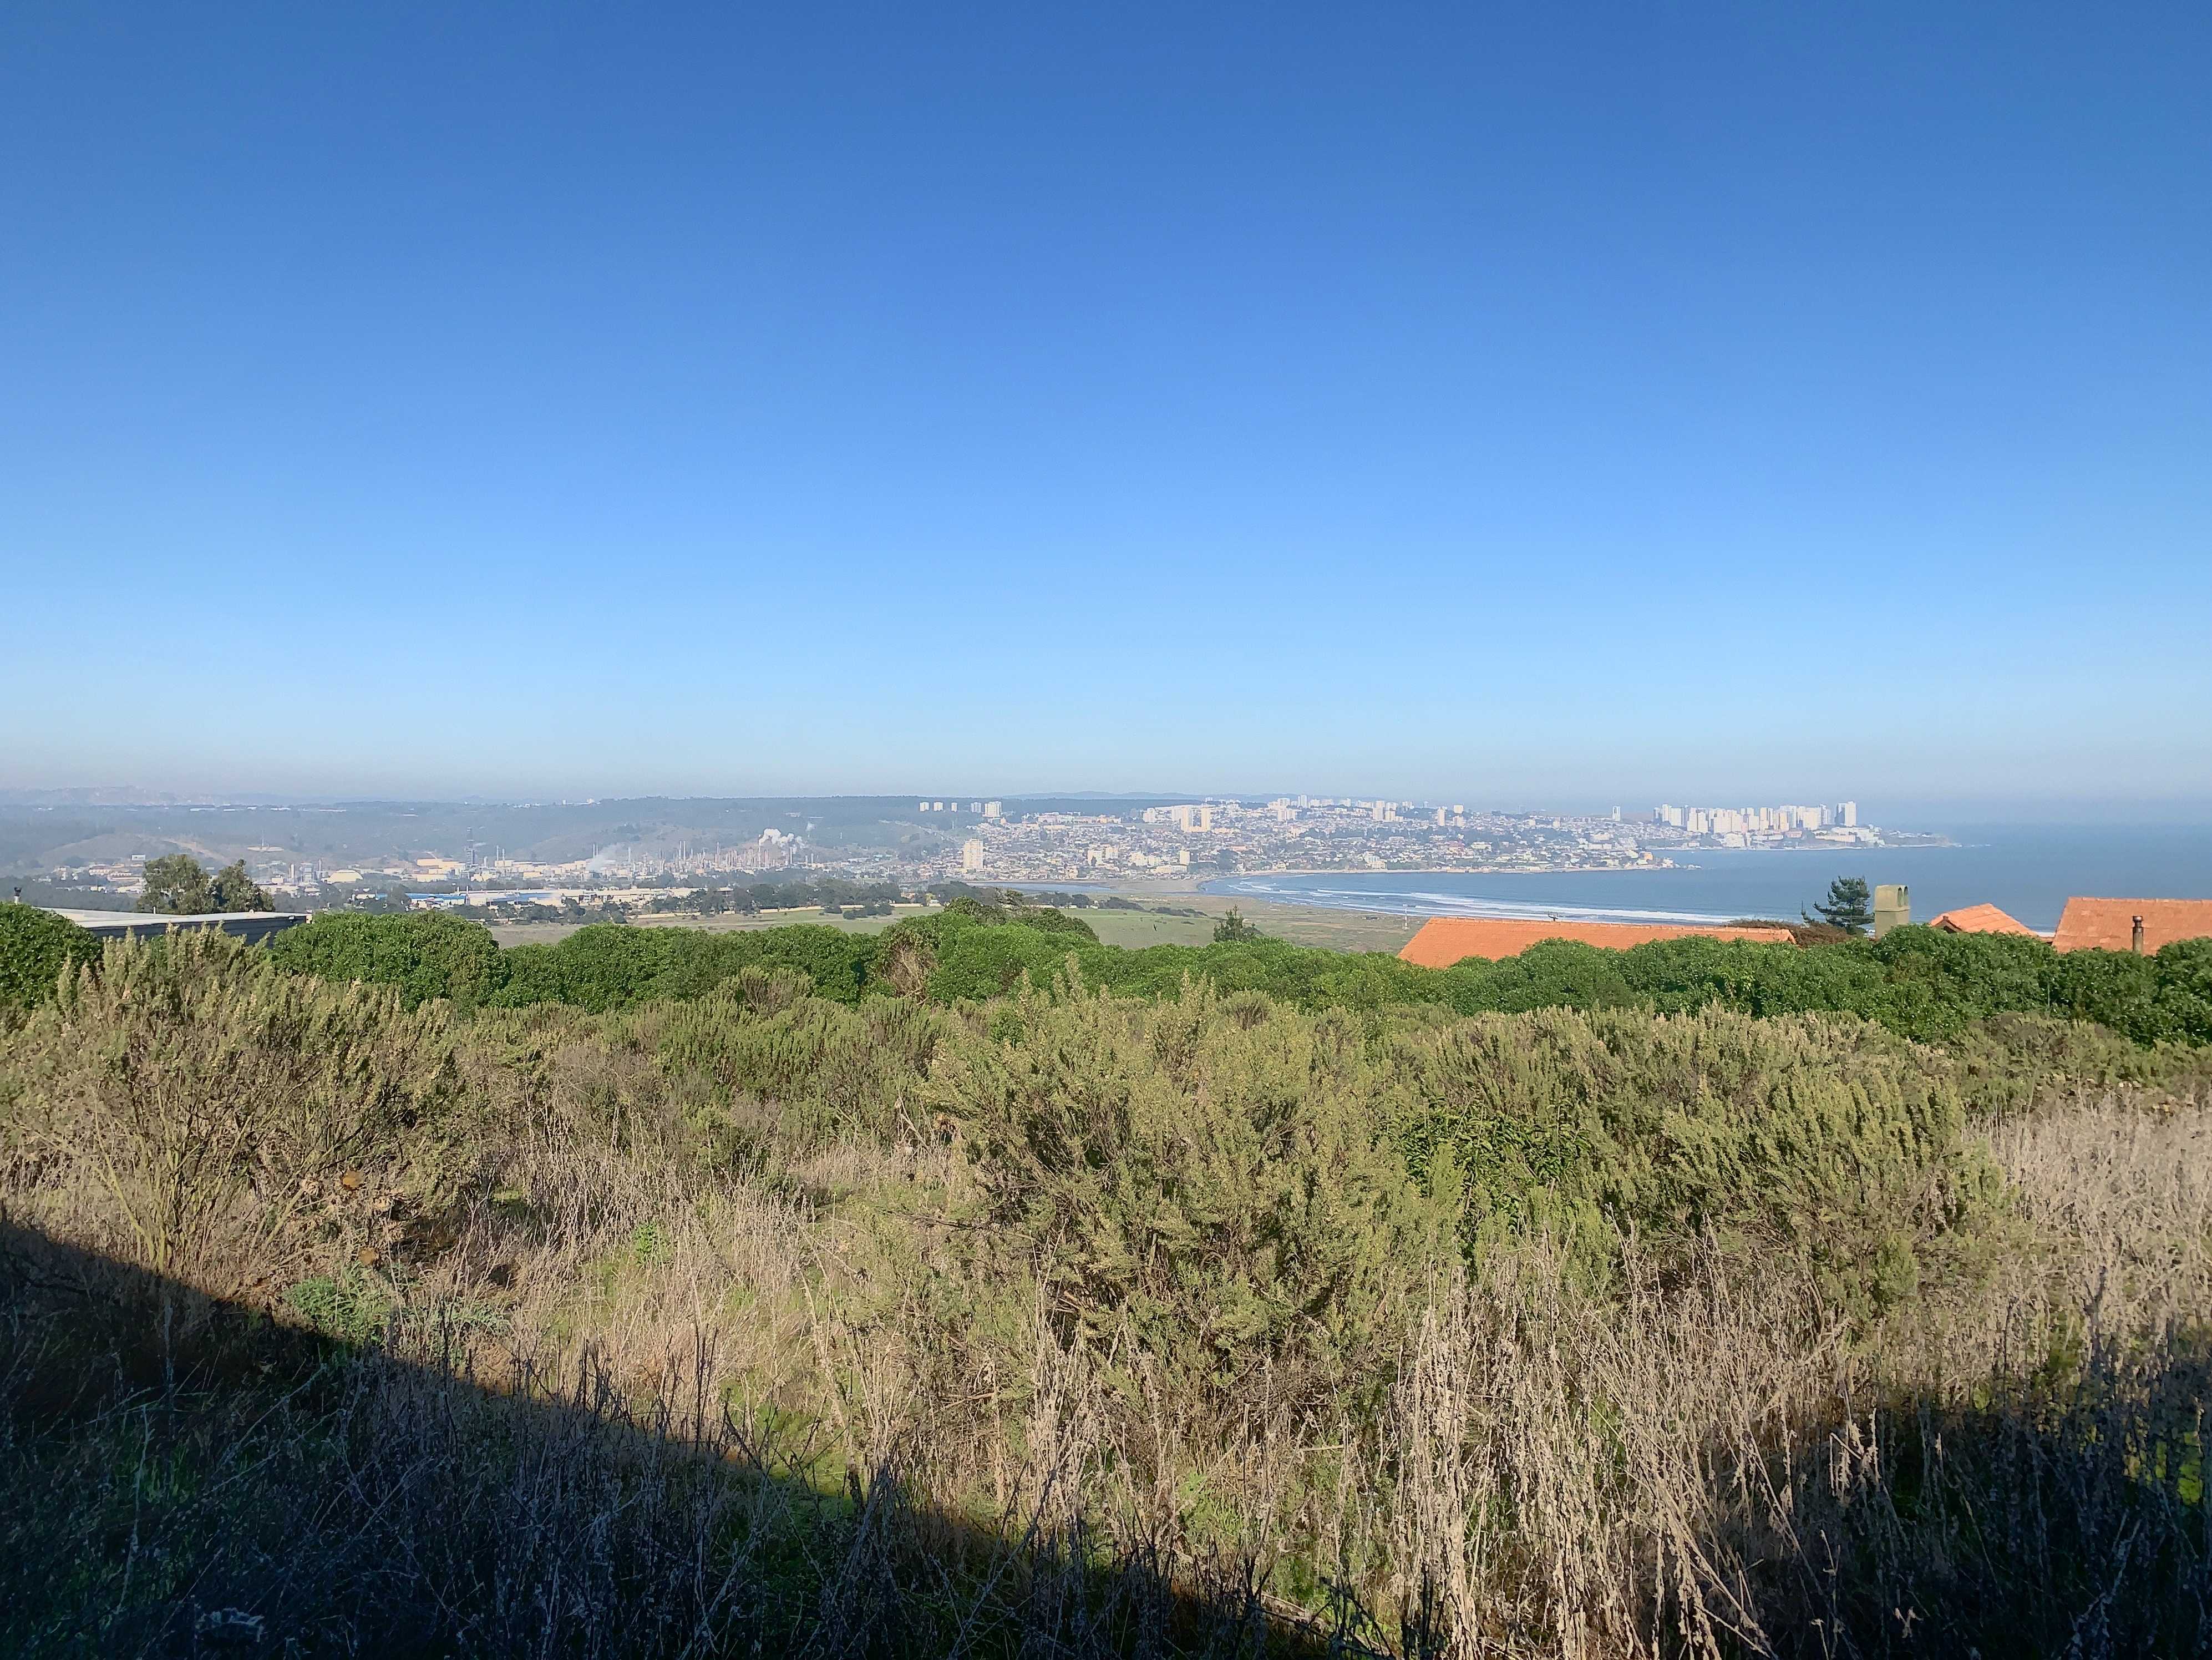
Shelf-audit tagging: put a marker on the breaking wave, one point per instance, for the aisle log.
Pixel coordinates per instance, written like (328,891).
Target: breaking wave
(1427,902)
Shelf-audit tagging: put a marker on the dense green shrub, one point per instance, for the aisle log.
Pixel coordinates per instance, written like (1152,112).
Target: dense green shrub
(1011,907)
(426,954)
(609,965)
(2183,1012)
(35,947)
(1919,982)
(1833,1137)
(2014,1063)
(974,960)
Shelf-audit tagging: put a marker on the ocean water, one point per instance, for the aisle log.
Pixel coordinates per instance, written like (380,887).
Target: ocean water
(2028,870)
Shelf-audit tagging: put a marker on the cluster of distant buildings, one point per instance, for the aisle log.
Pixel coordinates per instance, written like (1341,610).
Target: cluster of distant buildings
(1758,821)
(1303,832)
(988,809)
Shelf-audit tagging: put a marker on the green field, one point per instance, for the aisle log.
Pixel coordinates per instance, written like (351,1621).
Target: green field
(1302,925)
(546,933)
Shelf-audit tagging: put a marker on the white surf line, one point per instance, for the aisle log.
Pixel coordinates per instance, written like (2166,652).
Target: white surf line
(1427,903)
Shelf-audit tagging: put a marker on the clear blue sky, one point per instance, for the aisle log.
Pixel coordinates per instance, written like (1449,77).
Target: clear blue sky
(1548,404)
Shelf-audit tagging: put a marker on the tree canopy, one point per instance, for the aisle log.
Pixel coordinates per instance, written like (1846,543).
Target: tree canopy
(233,889)
(176,886)
(1233,929)
(1849,907)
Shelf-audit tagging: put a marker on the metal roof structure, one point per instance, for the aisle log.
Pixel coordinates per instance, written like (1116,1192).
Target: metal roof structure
(134,924)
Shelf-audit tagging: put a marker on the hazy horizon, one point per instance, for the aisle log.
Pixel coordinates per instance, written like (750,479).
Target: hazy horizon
(1898,813)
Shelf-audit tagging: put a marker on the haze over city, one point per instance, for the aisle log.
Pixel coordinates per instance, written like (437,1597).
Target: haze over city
(1546,407)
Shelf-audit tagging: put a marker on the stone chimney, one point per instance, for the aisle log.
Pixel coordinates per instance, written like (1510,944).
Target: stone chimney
(1893,907)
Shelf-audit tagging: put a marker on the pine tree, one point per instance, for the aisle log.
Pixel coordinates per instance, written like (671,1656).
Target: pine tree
(1850,906)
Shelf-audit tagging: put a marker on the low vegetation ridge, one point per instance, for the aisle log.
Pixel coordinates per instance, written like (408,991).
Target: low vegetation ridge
(975,1288)
(1920,982)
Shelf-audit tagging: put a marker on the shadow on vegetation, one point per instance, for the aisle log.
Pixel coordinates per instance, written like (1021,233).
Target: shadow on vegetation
(1941,1529)
(187,1478)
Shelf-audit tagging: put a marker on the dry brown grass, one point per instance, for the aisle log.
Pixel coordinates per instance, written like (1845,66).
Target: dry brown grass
(1708,1464)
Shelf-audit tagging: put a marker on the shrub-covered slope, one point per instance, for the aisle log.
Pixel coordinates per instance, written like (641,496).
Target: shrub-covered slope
(1919,982)
(1078,1321)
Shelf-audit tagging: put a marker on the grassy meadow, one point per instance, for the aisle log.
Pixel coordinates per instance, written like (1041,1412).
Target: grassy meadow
(547,933)
(1299,925)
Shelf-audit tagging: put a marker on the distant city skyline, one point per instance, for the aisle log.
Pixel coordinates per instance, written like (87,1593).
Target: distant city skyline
(1554,407)
(1896,812)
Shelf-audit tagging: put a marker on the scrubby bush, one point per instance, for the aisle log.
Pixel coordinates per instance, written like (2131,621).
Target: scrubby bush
(828,1071)
(1830,1140)
(198,1098)
(2011,1064)
(1213,1184)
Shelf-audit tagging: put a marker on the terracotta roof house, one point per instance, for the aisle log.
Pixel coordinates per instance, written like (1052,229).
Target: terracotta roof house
(1445,940)
(1981,919)
(2141,925)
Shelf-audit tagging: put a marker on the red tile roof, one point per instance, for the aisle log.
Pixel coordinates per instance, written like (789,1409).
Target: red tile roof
(1445,940)
(2109,924)
(1981,919)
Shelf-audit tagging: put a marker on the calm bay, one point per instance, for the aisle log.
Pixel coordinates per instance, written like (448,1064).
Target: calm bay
(2028,870)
